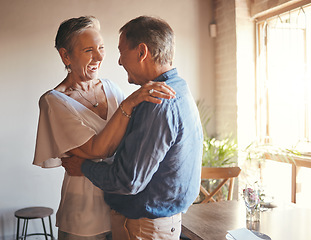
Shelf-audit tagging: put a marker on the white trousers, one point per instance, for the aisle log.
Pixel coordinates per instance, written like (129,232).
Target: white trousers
(167,228)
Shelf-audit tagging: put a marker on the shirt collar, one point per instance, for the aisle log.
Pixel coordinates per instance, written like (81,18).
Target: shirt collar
(169,74)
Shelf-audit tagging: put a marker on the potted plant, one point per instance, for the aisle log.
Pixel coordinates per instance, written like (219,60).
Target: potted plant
(216,152)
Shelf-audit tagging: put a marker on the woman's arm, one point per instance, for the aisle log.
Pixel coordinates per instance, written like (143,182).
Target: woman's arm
(105,143)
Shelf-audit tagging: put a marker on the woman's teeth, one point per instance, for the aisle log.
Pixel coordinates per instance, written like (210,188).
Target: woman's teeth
(92,68)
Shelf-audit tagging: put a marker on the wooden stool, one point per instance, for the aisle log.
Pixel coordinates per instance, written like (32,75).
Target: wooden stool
(33,213)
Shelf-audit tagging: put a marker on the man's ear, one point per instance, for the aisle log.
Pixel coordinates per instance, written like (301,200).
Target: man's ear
(142,51)
(65,56)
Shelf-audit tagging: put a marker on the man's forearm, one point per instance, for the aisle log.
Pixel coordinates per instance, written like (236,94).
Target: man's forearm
(107,178)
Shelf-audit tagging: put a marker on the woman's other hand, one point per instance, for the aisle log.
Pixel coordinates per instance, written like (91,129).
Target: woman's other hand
(150,92)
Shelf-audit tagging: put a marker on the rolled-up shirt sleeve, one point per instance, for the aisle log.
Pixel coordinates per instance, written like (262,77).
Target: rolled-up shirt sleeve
(150,134)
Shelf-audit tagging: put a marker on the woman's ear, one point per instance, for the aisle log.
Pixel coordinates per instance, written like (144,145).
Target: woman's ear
(65,56)
(142,51)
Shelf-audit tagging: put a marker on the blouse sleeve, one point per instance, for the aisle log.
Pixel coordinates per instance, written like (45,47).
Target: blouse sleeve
(60,129)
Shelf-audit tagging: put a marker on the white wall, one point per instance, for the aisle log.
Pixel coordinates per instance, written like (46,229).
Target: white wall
(29,65)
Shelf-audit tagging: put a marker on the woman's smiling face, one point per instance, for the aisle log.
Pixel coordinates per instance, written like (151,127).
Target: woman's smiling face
(87,55)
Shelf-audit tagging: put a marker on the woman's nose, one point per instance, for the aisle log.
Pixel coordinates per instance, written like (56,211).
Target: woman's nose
(99,56)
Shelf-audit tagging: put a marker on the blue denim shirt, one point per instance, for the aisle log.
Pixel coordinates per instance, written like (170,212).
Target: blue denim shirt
(157,167)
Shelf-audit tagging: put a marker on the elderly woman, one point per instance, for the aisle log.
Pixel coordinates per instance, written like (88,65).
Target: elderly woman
(83,113)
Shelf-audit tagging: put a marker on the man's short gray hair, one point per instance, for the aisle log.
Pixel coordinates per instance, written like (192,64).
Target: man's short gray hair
(155,33)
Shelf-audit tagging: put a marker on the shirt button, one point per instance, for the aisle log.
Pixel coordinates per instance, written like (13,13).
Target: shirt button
(173,230)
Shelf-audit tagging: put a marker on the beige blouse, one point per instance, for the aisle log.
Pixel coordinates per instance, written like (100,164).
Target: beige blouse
(65,124)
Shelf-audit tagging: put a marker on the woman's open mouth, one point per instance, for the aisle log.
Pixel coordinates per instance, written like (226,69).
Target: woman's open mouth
(92,68)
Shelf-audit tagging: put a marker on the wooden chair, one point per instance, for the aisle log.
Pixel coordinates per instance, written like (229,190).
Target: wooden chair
(224,173)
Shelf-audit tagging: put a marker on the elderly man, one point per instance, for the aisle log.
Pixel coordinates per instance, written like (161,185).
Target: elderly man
(155,175)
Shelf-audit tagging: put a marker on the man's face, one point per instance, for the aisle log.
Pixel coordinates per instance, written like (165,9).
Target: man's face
(129,59)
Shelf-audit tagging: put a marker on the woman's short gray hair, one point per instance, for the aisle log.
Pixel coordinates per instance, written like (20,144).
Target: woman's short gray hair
(155,33)
(70,28)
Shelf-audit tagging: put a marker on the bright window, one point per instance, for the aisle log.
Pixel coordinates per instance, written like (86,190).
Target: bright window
(283,78)
(284,93)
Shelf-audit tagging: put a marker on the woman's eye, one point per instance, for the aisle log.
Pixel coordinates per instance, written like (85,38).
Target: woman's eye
(89,50)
